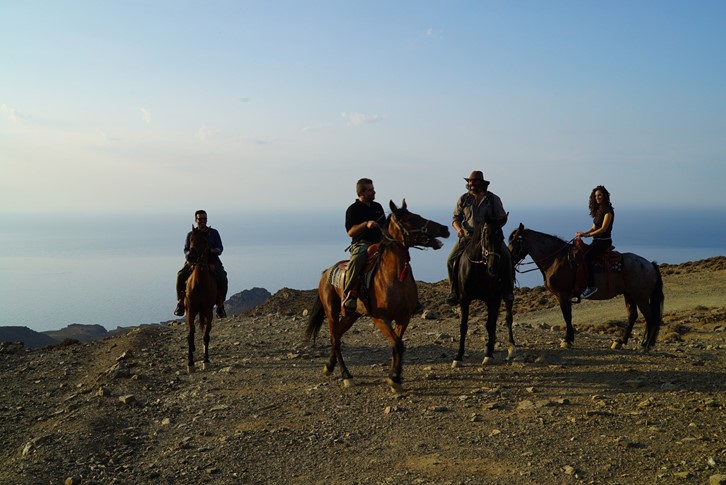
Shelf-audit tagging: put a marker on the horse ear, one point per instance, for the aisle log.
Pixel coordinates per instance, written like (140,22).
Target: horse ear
(403,205)
(521,227)
(392,206)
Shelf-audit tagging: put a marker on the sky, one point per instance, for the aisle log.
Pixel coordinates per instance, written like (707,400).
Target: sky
(115,106)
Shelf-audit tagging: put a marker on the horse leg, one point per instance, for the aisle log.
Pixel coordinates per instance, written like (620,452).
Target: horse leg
(508,305)
(492,315)
(207,330)
(190,341)
(397,349)
(463,329)
(566,309)
(337,329)
(632,309)
(644,307)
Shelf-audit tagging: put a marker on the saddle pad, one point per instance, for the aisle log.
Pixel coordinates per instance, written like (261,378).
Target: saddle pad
(336,276)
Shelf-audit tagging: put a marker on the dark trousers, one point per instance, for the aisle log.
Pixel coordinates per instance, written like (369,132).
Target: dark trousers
(219,274)
(596,249)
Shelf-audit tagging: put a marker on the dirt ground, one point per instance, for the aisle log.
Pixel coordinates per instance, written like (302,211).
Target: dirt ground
(124,410)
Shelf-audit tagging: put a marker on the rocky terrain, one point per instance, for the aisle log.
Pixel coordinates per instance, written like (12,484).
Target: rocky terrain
(124,409)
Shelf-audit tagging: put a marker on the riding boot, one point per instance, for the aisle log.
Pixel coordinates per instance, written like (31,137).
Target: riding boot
(350,303)
(179,310)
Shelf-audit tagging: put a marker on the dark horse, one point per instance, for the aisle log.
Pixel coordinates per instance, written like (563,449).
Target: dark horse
(392,295)
(639,282)
(201,293)
(478,272)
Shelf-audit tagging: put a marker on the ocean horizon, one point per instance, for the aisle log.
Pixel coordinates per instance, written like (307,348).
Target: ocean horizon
(120,269)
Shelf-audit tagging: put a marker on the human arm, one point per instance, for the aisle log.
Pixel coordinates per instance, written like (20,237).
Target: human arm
(594,230)
(358,229)
(215,242)
(457,219)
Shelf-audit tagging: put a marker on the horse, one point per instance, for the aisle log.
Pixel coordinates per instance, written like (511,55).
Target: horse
(201,294)
(392,295)
(478,278)
(639,282)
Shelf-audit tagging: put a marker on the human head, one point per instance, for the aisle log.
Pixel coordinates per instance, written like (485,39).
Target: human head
(596,206)
(364,189)
(476,182)
(200,217)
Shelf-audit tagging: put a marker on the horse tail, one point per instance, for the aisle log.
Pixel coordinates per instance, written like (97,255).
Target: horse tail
(315,321)
(656,305)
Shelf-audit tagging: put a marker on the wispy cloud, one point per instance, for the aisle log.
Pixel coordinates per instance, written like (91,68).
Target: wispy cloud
(359,118)
(429,32)
(204,133)
(147,114)
(11,114)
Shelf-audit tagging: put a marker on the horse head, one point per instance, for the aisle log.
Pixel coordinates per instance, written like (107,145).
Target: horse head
(413,230)
(198,246)
(492,238)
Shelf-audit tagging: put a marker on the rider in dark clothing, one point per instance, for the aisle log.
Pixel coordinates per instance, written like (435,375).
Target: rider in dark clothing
(216,248)
(603,216)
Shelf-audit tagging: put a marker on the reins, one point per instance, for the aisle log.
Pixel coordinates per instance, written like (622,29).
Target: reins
(540,260)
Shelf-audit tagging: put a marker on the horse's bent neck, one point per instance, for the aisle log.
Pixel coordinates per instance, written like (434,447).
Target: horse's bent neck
(543,248)
(394,260)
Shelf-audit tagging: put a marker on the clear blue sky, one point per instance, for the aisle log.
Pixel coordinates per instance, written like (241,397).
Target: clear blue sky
(174,105)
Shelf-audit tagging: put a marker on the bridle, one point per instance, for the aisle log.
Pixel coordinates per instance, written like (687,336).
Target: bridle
(415,238)
(520,240)
(484,251)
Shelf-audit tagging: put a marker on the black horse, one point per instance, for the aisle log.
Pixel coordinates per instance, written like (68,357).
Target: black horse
(478,272)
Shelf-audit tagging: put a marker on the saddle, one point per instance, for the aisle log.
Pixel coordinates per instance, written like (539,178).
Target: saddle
(611,261)
(336,277)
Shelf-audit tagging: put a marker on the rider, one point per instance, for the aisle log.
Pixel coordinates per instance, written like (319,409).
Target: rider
(216,248)
(362,219)
(603,216)
(472,208)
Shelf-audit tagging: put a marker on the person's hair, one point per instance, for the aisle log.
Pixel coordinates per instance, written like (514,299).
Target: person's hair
(200,211)
(595,208)
(360,185)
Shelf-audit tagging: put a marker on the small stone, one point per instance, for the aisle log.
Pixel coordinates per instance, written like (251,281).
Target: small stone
(103,391)
(127,399)
(569,470)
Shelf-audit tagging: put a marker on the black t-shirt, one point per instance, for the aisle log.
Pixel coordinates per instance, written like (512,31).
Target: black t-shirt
(359,212)
(600,218)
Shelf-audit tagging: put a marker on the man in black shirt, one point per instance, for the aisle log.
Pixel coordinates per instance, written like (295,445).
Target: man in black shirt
(362,221)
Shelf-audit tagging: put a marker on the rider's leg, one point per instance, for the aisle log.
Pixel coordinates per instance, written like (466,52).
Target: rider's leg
(222,286)
(451,267)
(358,255)
(507,273)
(181,288)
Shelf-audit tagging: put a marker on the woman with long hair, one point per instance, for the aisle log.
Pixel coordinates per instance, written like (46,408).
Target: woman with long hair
(603,216)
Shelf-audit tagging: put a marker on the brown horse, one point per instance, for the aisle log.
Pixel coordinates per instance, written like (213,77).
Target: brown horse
(392,296)
(639,282)
(201,294)
(478,272)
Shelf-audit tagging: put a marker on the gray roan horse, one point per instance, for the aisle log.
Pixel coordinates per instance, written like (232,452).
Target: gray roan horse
(478,273)
(392,296)
(639,282)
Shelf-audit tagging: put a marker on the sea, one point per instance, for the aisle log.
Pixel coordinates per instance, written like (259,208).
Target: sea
(119,269)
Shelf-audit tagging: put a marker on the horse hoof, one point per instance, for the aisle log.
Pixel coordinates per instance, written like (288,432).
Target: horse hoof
(396,387)
(510,353)
(565,344)
(457,363)
(191,369)
(616,345)
(348,383)
(206,365)
(487,360)
(326,371)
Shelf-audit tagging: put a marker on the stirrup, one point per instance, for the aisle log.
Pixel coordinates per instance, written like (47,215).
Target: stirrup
(179,310)
(350,304)
(588,292)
